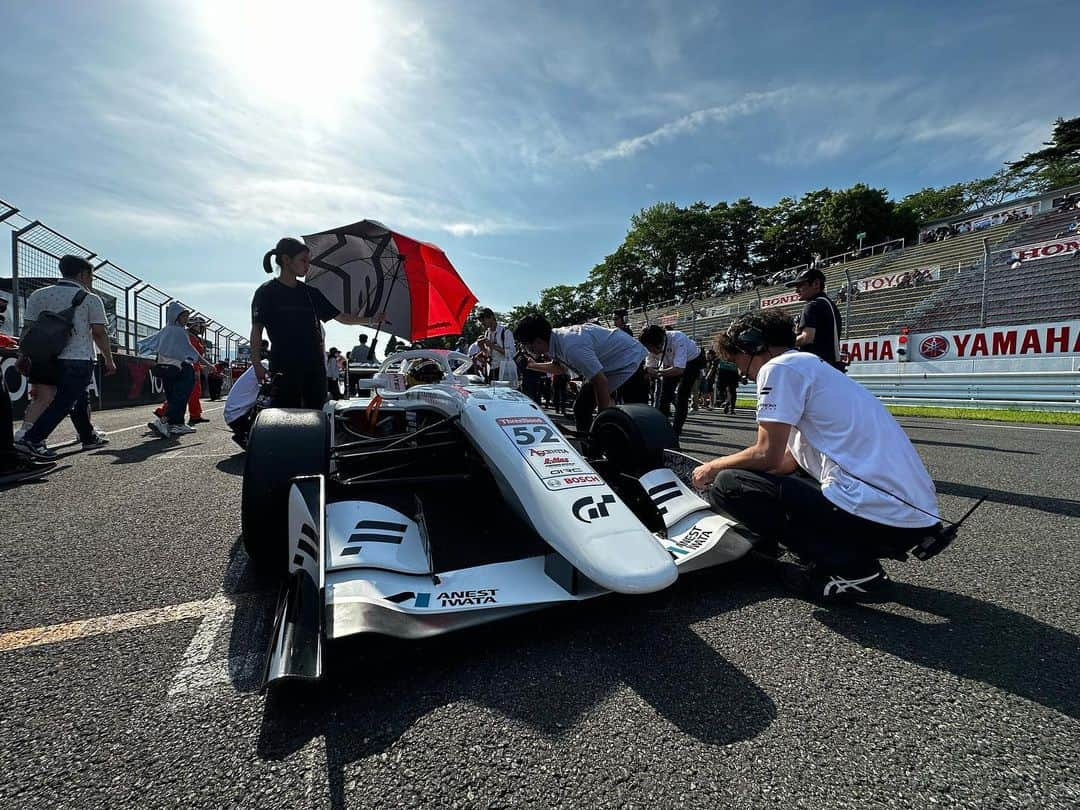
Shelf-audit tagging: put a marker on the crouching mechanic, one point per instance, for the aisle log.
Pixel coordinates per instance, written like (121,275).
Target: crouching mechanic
(832,476)
(240,404)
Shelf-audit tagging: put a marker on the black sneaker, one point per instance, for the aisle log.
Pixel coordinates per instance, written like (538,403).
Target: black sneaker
(197,420)
(25,466)
(809,582)
(95,439)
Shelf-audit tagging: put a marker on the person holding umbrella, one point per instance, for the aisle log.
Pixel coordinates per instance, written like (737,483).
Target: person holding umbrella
(292,313)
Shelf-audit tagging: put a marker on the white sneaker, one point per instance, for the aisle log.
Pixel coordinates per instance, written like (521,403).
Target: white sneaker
(180,430)
(160,427)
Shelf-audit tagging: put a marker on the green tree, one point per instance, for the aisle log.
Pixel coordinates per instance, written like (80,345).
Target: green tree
(1057,165)
(791,232)
(996,188)
(855,210)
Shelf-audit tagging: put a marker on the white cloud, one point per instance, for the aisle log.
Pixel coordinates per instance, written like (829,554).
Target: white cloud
(689,123)
(498,259)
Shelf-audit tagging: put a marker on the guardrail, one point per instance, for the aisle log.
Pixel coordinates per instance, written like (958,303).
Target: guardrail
(1035,390)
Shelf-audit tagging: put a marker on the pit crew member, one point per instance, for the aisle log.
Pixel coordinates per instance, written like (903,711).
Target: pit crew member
(677,361)
(832,476)
(608,360)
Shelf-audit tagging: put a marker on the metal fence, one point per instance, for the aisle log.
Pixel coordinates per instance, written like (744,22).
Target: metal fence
(135,308)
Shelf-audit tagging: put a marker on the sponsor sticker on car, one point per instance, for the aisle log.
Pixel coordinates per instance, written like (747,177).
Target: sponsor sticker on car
(547,453)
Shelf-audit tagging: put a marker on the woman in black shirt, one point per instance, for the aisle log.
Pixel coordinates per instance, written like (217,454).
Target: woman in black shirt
(291,312)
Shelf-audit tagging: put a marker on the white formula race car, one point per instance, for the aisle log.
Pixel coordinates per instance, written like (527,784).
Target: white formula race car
(441,503)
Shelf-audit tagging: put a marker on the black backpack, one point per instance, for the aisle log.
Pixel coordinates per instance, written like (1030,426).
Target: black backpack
(50,333)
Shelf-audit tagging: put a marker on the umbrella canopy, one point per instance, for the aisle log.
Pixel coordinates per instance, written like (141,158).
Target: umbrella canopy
(365,268)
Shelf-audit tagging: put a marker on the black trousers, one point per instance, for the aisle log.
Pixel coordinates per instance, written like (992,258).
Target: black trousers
(8,458)
(792,510)
(302,385)
(333,388)
(680,389)
(635,389)
(559,385)
(727,383)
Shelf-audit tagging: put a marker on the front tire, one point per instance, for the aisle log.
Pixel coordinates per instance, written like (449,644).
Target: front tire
(283,443)
(632,438)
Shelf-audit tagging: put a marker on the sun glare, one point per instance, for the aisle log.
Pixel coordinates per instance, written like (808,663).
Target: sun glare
(321,54)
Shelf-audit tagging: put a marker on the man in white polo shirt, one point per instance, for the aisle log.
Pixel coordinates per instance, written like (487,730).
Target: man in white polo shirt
(74,366)
(677,361)
(608,360)
(832,476)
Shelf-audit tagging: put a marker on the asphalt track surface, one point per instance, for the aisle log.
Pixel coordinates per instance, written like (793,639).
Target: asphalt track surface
(722,692)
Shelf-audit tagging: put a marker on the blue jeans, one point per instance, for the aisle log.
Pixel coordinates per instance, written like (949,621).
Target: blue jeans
(71,400)
(177,391)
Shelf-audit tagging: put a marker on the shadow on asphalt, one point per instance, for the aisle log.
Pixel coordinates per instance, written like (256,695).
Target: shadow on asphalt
(30,478)
(233,465)
(152,446)
(973,447)
(1056,506)
(978,640)
(547,670)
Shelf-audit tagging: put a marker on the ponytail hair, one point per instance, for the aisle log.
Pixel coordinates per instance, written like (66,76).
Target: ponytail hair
(285,247)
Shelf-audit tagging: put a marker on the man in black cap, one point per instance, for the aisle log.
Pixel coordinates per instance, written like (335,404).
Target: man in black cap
(820,324)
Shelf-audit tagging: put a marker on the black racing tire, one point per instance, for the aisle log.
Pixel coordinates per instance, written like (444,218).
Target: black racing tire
(283,443)
(632,438)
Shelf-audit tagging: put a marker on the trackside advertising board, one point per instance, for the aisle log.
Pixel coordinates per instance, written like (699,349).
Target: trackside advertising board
(1059,339)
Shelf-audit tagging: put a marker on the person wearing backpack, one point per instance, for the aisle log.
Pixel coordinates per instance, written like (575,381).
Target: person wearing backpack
(62,324)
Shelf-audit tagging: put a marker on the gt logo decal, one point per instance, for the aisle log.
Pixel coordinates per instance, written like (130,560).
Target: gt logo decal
(599,509)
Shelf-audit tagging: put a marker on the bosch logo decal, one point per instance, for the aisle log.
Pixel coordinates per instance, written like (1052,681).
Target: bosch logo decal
(933,347)
(588,509)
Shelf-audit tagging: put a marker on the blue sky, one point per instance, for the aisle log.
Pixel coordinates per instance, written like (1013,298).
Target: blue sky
(181,139)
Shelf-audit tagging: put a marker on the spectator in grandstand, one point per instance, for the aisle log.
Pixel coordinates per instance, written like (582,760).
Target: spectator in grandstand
(70,371)
(861,494)
(820,324)
(333,372)
(608,360)
(501,348)
(292,314)
(676,360)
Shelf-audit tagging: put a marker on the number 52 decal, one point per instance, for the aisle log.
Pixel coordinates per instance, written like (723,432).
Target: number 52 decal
(533,434)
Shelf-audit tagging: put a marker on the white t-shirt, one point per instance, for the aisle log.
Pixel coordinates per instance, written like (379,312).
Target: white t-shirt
(589,349)
(90,312)
(678,350)
(841,433)
(501,344)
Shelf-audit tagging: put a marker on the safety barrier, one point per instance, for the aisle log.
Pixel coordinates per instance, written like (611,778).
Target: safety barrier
(1033,390)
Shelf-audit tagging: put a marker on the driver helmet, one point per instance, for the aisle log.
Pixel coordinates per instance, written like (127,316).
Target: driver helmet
(424,372)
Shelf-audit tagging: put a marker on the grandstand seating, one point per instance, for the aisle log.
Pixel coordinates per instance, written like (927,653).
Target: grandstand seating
(1044,290)
(884,312)
(1037,291)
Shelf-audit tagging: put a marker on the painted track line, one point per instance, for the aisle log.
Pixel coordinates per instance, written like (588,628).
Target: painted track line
(117,622)
(143,424)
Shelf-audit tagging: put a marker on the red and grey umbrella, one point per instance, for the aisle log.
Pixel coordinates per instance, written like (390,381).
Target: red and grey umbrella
(365,268)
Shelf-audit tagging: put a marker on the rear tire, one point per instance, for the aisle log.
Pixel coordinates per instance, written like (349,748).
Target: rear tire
(283,443)
(632,438)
